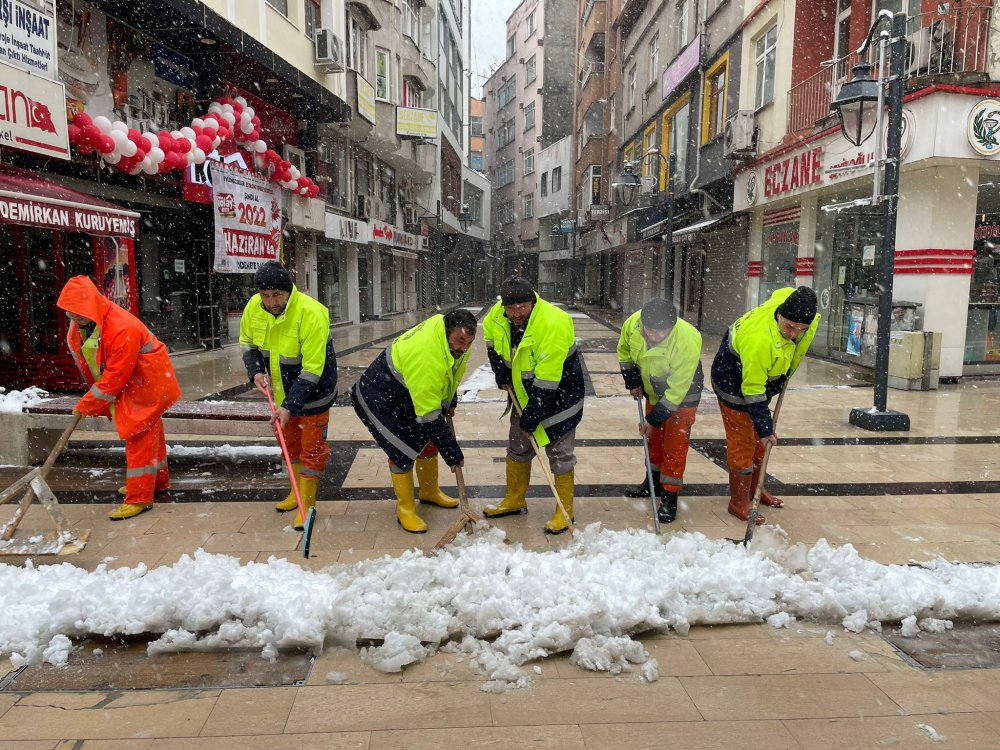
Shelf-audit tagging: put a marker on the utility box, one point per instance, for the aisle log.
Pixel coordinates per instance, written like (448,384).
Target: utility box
(914,360)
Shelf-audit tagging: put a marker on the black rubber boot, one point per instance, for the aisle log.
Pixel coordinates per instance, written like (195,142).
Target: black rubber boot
(642,489)
(667,512)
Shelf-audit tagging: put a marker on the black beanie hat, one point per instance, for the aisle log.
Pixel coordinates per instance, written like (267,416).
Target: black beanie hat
(800,306)
(658,315)
(272,275)
(516,290)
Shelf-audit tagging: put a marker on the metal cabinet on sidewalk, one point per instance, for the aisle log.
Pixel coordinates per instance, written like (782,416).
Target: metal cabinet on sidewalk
(914,360)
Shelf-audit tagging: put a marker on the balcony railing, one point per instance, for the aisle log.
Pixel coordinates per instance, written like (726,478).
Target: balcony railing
(591,68)
(953,44)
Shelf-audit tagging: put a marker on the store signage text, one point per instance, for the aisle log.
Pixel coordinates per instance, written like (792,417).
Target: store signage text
(26,122)
(18,211)
(794,172)
(27,38)
(389,236)
(850,164)
(343,228)
(987,232)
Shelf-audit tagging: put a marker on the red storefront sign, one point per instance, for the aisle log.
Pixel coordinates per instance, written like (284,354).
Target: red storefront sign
(795,172)
(66,217)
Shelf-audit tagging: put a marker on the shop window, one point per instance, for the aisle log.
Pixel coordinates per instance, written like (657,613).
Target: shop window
(982,333)
(388,281)
(780,249)
(11,294)
(43,290)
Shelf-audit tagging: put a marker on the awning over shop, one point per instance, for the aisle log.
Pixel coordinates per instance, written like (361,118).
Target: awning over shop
(689,231)
(28,199)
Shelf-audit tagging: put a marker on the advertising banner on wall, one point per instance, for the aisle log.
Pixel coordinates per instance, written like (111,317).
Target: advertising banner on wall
(247,220)
(31,113)
(27,38)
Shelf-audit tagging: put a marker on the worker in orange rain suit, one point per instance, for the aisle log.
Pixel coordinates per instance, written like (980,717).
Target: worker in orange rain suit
(131,380)
(285,337)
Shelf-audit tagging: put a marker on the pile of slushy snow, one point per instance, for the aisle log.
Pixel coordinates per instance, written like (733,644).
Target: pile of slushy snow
(499,604)
(15,401)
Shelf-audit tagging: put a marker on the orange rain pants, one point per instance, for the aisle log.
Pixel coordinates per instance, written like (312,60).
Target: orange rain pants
(668,446)
(743,448)
(306,441)
(146,465)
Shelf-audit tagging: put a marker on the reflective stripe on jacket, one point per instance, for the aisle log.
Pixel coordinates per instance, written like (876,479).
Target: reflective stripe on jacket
(670,373)
(544,369)
(754,361)
(294,349)
(421,360)
(136,375)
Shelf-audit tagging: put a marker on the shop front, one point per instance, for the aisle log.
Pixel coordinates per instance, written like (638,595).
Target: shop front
(337,256)
(813,222)
(49,233)
(396,252)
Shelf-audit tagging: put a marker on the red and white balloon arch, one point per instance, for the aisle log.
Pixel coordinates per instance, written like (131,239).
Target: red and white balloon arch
(227,120)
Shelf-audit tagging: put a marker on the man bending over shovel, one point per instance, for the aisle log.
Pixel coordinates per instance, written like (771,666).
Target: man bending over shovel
(131,380)
(758,355)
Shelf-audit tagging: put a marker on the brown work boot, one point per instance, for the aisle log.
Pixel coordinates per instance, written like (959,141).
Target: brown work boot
(740,486)
(766,498)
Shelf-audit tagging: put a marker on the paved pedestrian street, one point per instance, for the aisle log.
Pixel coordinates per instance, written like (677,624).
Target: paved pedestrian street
(897,498)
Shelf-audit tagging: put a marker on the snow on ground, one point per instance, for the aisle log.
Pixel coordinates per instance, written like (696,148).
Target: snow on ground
(499,604)
(15,401)
(482,379)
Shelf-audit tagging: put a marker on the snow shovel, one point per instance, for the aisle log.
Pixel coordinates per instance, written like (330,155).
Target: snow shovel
(64,540)
(649,467)
(310,517)
(468,519)
(755,503)
(542,461)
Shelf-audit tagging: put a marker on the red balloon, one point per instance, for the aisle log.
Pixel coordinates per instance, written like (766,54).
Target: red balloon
(93,133)
(183,145)
(107,144)
(204,143)
(255,121)
(163,167)
(82,120)
(210,132)
(75,133)
(313,191)
(85,148)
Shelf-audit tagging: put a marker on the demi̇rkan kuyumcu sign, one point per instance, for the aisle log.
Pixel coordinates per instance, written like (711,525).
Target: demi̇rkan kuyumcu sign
(247,220)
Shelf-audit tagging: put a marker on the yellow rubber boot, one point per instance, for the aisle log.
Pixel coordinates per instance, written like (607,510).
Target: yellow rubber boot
(307,490)
(430,490)
(289,502)
(406,512)
(129,510)
(564,486)
(513,503)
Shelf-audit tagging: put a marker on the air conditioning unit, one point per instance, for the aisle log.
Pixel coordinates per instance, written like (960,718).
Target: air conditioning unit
(738,141)
(363,207)
(329,51)
(540,40)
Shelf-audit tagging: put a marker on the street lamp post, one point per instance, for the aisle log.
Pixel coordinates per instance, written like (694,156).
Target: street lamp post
(627,185)
(858,103)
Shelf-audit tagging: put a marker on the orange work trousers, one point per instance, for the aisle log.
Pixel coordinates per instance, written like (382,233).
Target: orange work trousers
(668,447)
(305,438)
(146,465)
(743,447)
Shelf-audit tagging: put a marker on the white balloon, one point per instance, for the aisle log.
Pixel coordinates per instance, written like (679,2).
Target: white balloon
(155,155)
(188,133)
(215,108)
(103,124)
(246,127)
(249,112)
(151,139)
(197,155)
(229,117)
(128,149)
(216,143)
(197,123)
(227,108)
(112,158)
(136,169)
(259,147)
(119,138)
(296,174)
(176,134)
(241,101)
(120,126)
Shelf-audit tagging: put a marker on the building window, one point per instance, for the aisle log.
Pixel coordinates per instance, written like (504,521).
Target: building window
(648,143)
(506,93)
(505,214)
(476,161)
(654,59)
(628,155)
(714,117)
(412,95)
(611,104)
(313,20)
(529,161)
(358,46)
(631,89)
(511,47)
(382,74)
(529,116)
(529,71)
(279,5)
(475,125)
(590,186)
(543,189)
(411,20)
(530,24)
(683,24)
(675,134)
(556,179)
(505,173)
(764,54)
(842,32)
(529,205)
(505,134)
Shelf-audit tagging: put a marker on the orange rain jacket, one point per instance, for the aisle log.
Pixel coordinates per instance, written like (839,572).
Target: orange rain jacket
(136,374)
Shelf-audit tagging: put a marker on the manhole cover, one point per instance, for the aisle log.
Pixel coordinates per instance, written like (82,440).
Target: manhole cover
(963,647)
(99,664)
